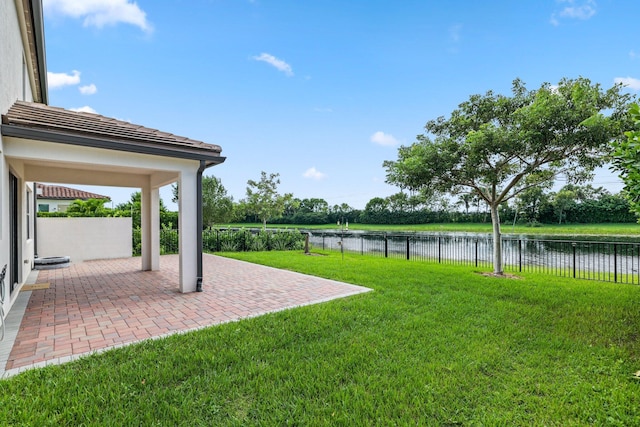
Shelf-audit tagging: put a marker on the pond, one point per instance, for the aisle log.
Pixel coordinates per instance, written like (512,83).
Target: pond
(591,257)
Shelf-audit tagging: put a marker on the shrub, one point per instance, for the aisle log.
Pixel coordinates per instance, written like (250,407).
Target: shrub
(228,240)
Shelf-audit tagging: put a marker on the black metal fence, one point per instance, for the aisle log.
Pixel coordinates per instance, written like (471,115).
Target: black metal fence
(605,261)
(592,260)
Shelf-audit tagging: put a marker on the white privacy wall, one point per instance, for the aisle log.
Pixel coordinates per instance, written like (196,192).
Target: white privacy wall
(84,239)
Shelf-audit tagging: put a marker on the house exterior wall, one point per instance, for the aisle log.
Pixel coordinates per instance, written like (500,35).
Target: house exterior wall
(15,84)
(54,205)
(84,239)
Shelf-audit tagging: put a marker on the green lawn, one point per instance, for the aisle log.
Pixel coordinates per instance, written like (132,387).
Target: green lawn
(625,229)
(432,345)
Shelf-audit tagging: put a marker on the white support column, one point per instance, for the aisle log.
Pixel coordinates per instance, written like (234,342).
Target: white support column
(187,218)
(150,227)
(155,228)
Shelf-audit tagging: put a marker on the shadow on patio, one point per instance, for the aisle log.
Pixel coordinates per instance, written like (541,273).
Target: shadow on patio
(96,305)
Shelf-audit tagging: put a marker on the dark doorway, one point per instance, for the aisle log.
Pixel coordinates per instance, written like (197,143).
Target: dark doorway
(14,236)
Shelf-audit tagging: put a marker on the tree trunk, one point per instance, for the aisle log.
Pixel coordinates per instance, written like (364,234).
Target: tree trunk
(497,241)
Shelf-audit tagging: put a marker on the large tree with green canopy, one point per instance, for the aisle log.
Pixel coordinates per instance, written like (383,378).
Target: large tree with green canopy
(626,160)
(497,146)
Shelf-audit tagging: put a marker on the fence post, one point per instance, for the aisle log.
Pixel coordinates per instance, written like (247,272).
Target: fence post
(439,249)
(386,247)
(323,241)
(407,247)
(615,262)
(476,252)
(574,259)
(361,245)
(520,255)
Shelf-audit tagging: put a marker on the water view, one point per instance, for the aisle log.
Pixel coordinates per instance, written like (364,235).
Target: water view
(589,257)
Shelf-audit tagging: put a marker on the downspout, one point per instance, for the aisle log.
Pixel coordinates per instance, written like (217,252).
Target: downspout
(199,225)
(35,220)
(38,31)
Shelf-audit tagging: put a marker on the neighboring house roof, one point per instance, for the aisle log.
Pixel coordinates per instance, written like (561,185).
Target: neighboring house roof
(58,192)
(44,123)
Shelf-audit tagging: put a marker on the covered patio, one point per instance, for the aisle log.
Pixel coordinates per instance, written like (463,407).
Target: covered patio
(97,305)
(50,144)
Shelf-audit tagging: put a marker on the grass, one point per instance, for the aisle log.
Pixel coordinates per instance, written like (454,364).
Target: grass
(432,345)
(609,229)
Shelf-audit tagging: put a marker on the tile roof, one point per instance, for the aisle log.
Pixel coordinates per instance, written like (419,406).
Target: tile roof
(62,122)
(65,193)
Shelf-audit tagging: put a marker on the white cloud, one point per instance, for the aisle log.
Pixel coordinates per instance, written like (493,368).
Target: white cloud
(582,10)
(633,54)
(85,109)
(455,33)
(278,63)
(313,173)
(323,110)
(58,80)
(629,82)
(99,13)
(385,139)
(88,89)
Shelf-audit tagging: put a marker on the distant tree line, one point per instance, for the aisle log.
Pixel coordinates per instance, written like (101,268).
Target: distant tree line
(537,205)
(571,204)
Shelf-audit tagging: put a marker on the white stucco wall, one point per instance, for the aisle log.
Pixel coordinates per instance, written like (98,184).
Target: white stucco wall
(15,84)
(84,239)
(12,54)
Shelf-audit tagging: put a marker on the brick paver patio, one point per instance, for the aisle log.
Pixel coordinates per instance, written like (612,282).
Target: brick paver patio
(96,305)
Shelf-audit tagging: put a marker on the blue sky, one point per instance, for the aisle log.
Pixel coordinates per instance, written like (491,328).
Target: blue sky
(321,92)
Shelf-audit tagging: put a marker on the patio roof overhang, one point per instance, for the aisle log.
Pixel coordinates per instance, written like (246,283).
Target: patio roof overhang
(30,120)
(52,144)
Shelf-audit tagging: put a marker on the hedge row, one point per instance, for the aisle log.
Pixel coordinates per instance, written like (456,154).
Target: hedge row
(229,240)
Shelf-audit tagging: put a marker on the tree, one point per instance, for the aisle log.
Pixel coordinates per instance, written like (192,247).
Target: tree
(133,208)
(530,202)
(341,209)
(377,204)
(465,199)
(291,207)
(626,160)
(217,206)
(89,207)
(497,146)
(314,205)
(563,200)
(419,200)
(263,199)
(398,202)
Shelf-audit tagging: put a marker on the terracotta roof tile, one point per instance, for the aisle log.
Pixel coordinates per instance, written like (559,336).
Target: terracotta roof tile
(65,193)
(39,116)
